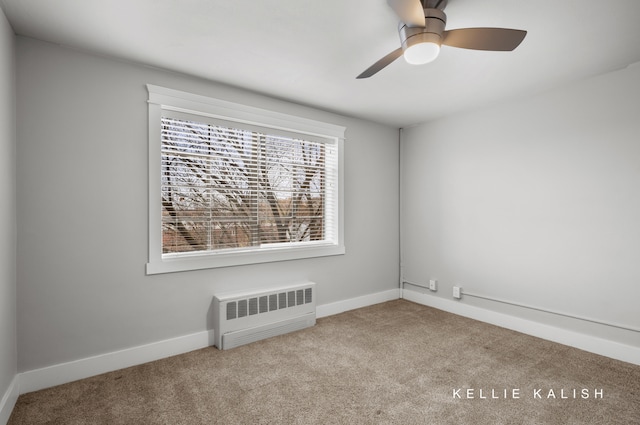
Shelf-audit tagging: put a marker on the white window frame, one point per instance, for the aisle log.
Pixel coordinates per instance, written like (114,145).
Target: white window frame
(160,99)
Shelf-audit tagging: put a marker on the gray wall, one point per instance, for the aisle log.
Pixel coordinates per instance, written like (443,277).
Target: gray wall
(536,201)
(82,211)
(8,351)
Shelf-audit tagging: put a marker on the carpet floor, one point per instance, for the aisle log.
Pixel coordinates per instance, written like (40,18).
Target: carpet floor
(391,363)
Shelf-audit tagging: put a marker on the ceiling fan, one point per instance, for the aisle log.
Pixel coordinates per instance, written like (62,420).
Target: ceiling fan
(422,32)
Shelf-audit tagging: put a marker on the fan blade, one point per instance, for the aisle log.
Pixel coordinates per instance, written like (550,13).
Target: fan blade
(497,39)
(378,66)
(409,11)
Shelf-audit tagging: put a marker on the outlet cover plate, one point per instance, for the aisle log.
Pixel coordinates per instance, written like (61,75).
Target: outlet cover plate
(433,285)
(456,292)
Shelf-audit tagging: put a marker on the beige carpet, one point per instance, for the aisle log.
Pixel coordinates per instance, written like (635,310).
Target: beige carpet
(392,363)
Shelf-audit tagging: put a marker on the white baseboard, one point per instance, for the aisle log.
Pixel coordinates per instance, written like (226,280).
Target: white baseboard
(46,377)
(9,400)
(603,347)
(358,302)
(63,373)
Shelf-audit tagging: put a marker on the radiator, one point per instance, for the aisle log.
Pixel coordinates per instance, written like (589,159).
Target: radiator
(242,318)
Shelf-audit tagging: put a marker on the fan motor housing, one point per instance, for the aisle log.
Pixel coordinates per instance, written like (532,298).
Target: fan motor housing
(435,21)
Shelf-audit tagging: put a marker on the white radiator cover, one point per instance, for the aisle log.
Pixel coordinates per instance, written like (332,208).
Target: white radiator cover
(243,317)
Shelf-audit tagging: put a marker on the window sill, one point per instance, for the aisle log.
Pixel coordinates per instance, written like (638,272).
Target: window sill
(229,259)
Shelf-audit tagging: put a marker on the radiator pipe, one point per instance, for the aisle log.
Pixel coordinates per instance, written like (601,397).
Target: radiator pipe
(544,310)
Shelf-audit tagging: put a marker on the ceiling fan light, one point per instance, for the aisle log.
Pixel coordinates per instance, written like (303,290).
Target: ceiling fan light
(419,45)
(421,53)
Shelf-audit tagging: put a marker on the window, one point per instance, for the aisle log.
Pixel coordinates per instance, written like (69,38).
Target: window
(231,184)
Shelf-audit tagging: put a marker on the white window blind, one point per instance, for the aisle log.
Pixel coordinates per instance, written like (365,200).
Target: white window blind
(233,191)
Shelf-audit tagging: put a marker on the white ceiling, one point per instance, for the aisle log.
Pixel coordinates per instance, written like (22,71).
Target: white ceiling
(310,52)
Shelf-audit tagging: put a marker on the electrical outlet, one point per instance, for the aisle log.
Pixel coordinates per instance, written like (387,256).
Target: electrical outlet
(456,292)
(433,285)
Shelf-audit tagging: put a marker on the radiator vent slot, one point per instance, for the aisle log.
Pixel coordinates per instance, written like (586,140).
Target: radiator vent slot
(231,310)
(242,318)
(308,295)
